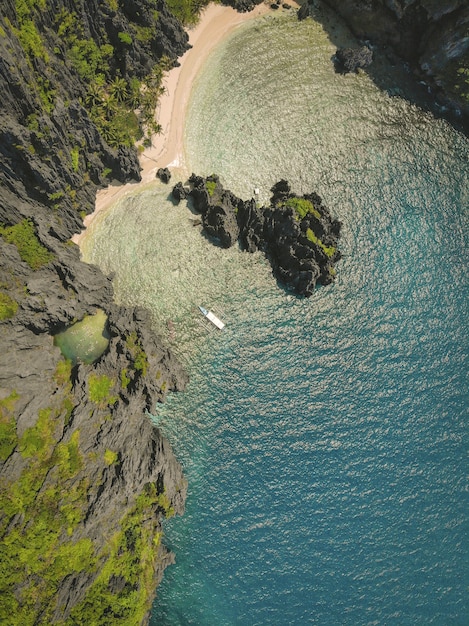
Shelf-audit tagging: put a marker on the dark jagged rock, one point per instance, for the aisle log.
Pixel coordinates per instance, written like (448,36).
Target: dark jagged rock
(429,35)
(218,208)
(352,59)
(243,6)
(296,233)
(180,192)
(164,174)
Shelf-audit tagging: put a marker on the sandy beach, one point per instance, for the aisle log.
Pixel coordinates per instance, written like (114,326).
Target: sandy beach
(215,23)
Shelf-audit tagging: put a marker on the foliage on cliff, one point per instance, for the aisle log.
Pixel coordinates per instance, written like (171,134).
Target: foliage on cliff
(85,479)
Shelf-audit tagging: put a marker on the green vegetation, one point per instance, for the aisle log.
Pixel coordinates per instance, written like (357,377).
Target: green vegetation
(23,236)
(88,58)
(210,185)
(132,556)
(31,40)
(8,437)
(75,155)
(46,501)
(125,38)
(125,379)
(462,82)
(8,306)
(112,100)
(139,357)
(187,11)
(99,390)
(302,207)
(329,251)
(110,457)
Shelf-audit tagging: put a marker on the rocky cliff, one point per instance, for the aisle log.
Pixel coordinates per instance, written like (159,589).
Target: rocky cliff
(432,36)
(85,479)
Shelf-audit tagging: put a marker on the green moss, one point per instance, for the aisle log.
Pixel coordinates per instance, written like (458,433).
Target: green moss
(8,306)
(8,437)
(210,185)
(99,390)
(140,359)
(63,372)
(329,251)
(302,207)
(110,457)
(125,380)
(68,457)
(38,440)
(23,236)
(125,38)
(75,155)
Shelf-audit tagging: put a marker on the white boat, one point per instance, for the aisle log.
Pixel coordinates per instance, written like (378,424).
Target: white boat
(212,317)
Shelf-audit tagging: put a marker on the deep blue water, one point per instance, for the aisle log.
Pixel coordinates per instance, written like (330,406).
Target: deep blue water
(325,440)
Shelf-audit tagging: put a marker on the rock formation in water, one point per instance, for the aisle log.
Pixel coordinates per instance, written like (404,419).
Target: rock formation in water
(85,478)
(297,234)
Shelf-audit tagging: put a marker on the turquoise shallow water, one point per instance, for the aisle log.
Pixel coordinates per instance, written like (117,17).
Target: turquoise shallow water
(324,440)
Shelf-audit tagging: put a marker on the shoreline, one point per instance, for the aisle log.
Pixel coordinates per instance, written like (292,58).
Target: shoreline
(216,22)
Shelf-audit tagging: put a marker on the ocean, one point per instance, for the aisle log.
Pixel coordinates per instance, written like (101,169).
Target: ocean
(325,439)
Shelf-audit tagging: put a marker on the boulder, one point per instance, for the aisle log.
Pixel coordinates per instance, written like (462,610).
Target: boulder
(352,59)
(164,174)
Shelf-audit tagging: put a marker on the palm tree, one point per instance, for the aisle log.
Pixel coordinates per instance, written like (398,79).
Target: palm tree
(118,89)
(94,97)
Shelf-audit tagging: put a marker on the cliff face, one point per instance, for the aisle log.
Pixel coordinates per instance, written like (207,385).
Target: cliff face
(85,479)
(431,35)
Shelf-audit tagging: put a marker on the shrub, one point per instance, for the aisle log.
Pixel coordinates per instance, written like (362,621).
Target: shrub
(302,207)
(125,38)
(99,389)
(125,379)
(110,457)
(8,436)
(23,236)
(75,154)
(63,372)
(8,306)
(138,353)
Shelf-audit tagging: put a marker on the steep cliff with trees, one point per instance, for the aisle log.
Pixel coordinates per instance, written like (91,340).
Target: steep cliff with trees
(85,479)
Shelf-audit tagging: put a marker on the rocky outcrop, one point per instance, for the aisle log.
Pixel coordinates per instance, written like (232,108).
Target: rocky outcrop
(432,36)
(243,6)
(86,479)
(163,174)
(353,59)
(297,234)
